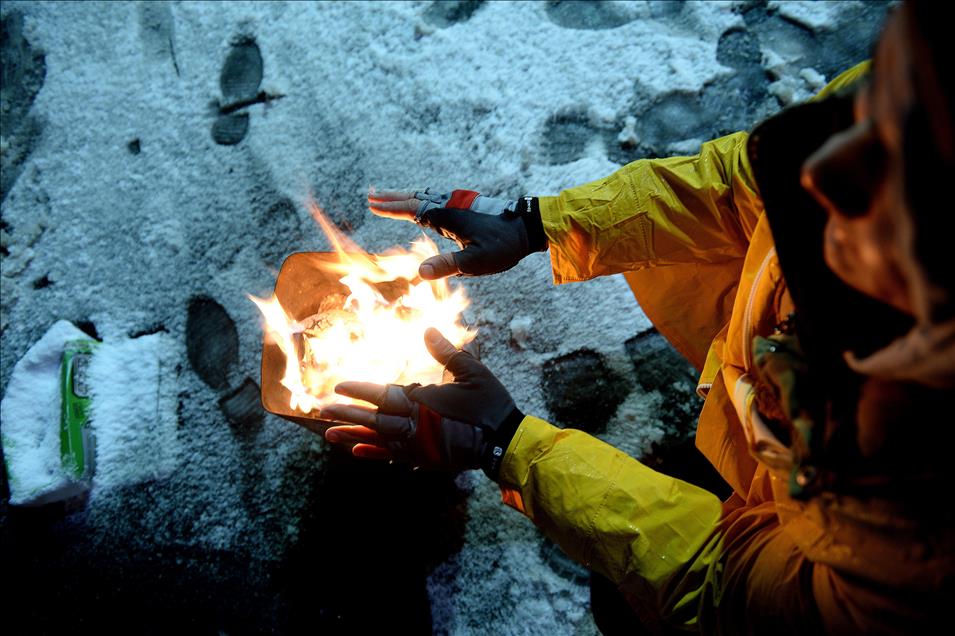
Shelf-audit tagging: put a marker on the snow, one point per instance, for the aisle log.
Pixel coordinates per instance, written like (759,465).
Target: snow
(375,94)
(811,14)
(133,411)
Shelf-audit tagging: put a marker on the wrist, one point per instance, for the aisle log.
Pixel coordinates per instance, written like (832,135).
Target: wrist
(528,208)
(497,443)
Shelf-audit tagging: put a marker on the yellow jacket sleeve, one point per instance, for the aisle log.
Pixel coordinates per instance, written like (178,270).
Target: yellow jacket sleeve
(678,228)
(681,559)
(655,212)
(652,212)
(652,535)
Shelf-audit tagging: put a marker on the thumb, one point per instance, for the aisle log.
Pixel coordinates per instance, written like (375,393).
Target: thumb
(438,346)
(439,266)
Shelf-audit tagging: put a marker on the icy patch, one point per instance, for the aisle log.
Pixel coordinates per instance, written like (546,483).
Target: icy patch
(133,410)
(818,16)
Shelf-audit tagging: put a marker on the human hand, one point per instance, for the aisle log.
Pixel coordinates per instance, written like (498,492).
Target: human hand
(494,234)
(454,426)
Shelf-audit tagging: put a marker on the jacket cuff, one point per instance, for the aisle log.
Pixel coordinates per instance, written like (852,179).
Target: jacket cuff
(529,210)
(533,437)
(499,440)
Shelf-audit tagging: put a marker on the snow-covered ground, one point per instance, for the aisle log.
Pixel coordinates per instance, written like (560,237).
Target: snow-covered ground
(132,206)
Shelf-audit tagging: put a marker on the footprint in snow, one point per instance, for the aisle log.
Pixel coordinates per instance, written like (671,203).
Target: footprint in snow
(239,82)
(212,346)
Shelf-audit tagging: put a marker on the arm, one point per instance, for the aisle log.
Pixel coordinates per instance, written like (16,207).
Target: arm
(652,535)
(680,557)
(655,212)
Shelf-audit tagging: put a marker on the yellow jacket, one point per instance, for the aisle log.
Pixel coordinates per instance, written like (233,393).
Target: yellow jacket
(690,235)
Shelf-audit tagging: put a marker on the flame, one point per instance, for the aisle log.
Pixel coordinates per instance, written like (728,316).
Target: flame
(369,337)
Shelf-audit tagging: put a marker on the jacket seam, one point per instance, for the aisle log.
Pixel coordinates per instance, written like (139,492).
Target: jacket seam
(748,313)
(592,535)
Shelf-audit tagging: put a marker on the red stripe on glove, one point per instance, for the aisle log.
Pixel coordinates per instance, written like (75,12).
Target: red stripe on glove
(462,199)
(428,436)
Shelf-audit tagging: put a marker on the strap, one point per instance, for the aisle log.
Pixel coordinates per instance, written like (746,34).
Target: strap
(462,199)
(498,443)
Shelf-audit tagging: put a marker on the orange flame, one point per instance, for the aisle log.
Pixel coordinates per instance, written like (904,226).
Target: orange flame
(369,337)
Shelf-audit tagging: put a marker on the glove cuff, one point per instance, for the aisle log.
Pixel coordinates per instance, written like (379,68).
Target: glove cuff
(529,210)
(498,442)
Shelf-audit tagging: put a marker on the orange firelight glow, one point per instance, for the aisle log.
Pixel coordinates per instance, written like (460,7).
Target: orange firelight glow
(367,335)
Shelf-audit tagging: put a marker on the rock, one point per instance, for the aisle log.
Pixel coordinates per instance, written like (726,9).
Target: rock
(521,331)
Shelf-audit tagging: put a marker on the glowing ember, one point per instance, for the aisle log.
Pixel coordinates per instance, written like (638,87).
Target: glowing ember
(375,332)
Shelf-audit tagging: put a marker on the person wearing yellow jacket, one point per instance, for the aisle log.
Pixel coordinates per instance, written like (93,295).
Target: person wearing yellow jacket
(826,392)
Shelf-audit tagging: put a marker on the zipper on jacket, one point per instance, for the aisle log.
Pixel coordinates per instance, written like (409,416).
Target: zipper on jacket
(748,314)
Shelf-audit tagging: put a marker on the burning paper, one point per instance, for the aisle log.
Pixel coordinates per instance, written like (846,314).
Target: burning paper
(371,332)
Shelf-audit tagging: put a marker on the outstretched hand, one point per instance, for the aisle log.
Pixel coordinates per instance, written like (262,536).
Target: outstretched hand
(492,235)
(444,426)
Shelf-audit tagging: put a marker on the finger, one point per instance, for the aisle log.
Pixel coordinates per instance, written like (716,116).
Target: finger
(368,451)
(352,435)
(406,209)
(459,362)
(366,391)
(389,195)
(438,346)
(353,414)
(439,266)
(451,223)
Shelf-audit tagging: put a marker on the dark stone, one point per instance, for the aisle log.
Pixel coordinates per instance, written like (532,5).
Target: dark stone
(212,341)
(134,147)
(241,72)
(42,282)
(228,130)
(581,390)
(586,14)
(243,408)
(22,75)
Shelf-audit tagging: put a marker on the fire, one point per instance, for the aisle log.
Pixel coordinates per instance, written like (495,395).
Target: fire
(375,332)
